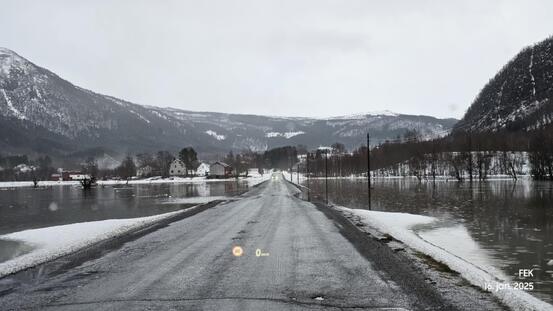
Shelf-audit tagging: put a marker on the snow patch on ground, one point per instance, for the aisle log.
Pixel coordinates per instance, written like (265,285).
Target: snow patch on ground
(14,110)
(17,184)
(139,116)
(116,101)
(361,116)
(53,242)
(253,178)
(215,135)
(159,114)
(294,177)
(196,200)
(531,74)
(447,246)
(458,241)
(286,135)
(9,60)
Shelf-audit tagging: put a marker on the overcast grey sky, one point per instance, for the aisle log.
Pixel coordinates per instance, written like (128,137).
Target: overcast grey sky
(292,58)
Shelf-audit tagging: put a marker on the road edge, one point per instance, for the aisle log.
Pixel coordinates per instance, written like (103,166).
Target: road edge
(64,262)
(416,274)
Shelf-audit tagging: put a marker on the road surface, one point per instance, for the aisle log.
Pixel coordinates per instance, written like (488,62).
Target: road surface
(307,263)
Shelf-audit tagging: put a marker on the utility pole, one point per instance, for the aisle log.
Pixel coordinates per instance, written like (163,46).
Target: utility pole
(298,172)
(290,166)
(470,155)
(326,175)
(369,168)
(307,175)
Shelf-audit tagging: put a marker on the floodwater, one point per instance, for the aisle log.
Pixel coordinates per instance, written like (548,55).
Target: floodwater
(512,222)
(29,208)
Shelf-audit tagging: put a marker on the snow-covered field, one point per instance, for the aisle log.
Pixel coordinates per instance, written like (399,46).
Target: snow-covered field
(451,246)
(53,242)
(253,179)
(302,177)
(294,176)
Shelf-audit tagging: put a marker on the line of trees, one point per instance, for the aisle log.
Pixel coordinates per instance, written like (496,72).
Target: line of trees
(541,155)
(461,155)
(20,167)
(158,162)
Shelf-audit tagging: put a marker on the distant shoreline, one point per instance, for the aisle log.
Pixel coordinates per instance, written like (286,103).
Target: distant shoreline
(147,181)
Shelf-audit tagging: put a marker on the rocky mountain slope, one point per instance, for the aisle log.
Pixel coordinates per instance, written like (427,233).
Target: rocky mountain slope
(43,113)
(520,95)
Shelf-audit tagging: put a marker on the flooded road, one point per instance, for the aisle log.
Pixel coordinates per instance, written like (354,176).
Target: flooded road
(512,222)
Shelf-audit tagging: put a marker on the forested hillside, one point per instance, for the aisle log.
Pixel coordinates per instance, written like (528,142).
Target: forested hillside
(41,113)
(518,97)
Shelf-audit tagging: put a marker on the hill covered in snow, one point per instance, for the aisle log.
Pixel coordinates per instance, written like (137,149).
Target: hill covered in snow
(43,113)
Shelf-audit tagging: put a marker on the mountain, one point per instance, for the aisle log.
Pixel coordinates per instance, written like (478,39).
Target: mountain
(520,95)
(43,113)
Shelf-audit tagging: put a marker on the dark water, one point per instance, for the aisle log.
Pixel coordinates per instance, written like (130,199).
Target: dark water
(27,208)
(511,221)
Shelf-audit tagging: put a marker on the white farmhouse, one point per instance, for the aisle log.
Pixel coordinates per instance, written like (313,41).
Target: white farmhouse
(24,168)
(202,170)
(177,168)
(79,176)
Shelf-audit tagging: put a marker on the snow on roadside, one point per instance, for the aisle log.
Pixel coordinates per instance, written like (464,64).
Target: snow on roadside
(196,200)
(255,178)
(293,176)
(53,242)
(400,226)
(464,247)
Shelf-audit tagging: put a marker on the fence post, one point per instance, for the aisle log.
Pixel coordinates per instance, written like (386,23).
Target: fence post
(326,176)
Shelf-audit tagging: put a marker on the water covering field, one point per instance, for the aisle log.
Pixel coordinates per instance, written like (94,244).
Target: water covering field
(511,222)
(25,208)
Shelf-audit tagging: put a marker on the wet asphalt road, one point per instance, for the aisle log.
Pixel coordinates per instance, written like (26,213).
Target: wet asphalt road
(309,264)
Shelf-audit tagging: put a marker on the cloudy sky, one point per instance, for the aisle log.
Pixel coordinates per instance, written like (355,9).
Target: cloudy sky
(301,58)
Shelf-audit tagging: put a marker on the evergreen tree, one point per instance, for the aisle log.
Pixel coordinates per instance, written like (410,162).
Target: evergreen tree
(190,158)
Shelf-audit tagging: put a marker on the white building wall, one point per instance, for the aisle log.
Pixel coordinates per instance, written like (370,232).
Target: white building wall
(203,169)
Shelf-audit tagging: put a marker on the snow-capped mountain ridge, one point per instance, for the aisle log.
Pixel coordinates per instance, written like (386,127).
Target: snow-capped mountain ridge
(364,115)
(41,112)
(10,60)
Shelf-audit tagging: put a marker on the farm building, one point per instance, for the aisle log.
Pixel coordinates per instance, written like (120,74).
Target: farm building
(144,171)
(220,170)
(202,170)
(68,175)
